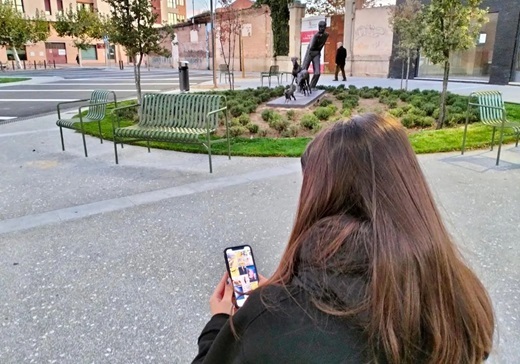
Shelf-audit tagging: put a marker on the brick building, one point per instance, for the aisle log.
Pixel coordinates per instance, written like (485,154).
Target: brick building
(61,49)
(254,41)
(496,57)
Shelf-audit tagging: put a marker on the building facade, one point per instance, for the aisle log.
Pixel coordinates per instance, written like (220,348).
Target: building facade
(60,50)
(494,59)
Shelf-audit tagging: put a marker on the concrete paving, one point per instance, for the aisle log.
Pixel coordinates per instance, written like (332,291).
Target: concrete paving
(105,263)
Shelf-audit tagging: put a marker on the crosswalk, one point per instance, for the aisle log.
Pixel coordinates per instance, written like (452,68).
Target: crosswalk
(75,84)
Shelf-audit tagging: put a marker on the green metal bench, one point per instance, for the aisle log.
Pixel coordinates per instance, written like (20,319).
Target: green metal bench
(96,112)
(180,118)
(274,71)
(492,113)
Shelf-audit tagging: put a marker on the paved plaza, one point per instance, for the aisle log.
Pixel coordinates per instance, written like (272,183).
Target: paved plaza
(105,263)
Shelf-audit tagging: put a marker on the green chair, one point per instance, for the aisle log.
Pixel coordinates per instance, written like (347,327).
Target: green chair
(274,71)
(96,112)
(492,113)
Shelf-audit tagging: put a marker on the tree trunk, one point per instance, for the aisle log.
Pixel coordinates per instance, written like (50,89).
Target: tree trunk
(442,114)
(402,73)
(80,58)
(137,76)
(408,58)
(16,58)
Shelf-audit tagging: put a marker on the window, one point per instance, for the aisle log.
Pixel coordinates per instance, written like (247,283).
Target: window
(172,18)
(89,54)
(180,2)
(60,6)
(47,4)
(86,6)
(18,5)
(171,4)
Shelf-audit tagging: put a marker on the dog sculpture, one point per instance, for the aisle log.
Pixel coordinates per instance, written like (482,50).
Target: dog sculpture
(296,68)
(302,80)
(289,93)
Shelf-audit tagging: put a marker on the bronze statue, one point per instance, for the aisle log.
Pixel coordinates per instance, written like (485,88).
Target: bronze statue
(314,52)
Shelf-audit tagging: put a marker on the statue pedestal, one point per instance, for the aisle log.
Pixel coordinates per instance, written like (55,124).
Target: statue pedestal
(301,101)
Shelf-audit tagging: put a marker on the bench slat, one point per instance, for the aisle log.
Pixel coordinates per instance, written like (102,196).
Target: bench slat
(176,117)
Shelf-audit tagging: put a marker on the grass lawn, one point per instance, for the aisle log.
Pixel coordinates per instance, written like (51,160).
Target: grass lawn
(422,140)
(13,79)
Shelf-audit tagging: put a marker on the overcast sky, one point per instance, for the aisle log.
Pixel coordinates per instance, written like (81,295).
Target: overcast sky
(203,5)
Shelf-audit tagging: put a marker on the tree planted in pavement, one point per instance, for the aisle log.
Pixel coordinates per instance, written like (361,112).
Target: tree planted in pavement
(17,30)
(132,24)
(82,25)
(450,26)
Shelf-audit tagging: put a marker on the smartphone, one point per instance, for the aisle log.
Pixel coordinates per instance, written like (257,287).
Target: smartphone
(242,271)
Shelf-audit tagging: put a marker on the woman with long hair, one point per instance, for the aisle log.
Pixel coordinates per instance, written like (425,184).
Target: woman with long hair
(370,273)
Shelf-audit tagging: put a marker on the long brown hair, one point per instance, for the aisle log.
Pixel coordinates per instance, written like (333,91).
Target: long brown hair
(363,184)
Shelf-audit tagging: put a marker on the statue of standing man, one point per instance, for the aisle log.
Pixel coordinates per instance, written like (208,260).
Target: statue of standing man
(314,52)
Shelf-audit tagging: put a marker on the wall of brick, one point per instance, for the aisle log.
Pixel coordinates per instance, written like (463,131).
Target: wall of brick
(257,41)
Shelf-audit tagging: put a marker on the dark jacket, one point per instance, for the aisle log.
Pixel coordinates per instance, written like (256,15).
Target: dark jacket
(277,325)
(341,56)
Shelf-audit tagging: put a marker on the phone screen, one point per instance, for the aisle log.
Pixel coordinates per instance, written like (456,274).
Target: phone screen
(242,271)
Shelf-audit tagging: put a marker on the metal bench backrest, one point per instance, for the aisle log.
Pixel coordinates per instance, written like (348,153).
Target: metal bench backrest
(273,70)
(223,67)
(180,110)
(97,112)
(490,105)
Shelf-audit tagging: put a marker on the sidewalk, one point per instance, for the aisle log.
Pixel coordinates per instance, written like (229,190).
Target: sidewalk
(114,263)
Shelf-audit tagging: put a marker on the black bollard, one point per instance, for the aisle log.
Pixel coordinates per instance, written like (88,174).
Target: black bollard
(44,64)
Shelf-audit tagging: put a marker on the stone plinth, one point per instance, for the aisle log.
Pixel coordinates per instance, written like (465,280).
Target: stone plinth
(301,101)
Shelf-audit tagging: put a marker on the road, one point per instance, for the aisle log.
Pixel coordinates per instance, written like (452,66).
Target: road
(41,95)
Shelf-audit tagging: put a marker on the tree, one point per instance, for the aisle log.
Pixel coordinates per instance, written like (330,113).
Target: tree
(16,29)
(83,26)
(407,22)
(229,26)
(132,25)
(450,26)
(280,24)
(334,7)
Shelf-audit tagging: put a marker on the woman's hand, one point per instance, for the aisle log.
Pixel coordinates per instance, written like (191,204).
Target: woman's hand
(221,300)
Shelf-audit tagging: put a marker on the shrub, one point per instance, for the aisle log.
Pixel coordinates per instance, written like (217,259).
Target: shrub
(406,107)
(264,96)
(279,123)
(237,110)
(351,102)
(416,101)
(457,119)
(436,113)
(368,94)
(426,121)
(346,113)
(253,128)
(416,111)
(398,112)
(234,122)
(455,109)
(291,132)
(409,120)
(392,103)
(323,113)
(128,114)
(237,130)
(342,96)
(291,115)
(310,121)
(250,106)
(405,96)
(267,115)
(429,108)
(244,119)
(325,102)
(262,132)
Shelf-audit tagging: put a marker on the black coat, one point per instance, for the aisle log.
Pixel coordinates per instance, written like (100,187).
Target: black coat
(275,326)
(341,56)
